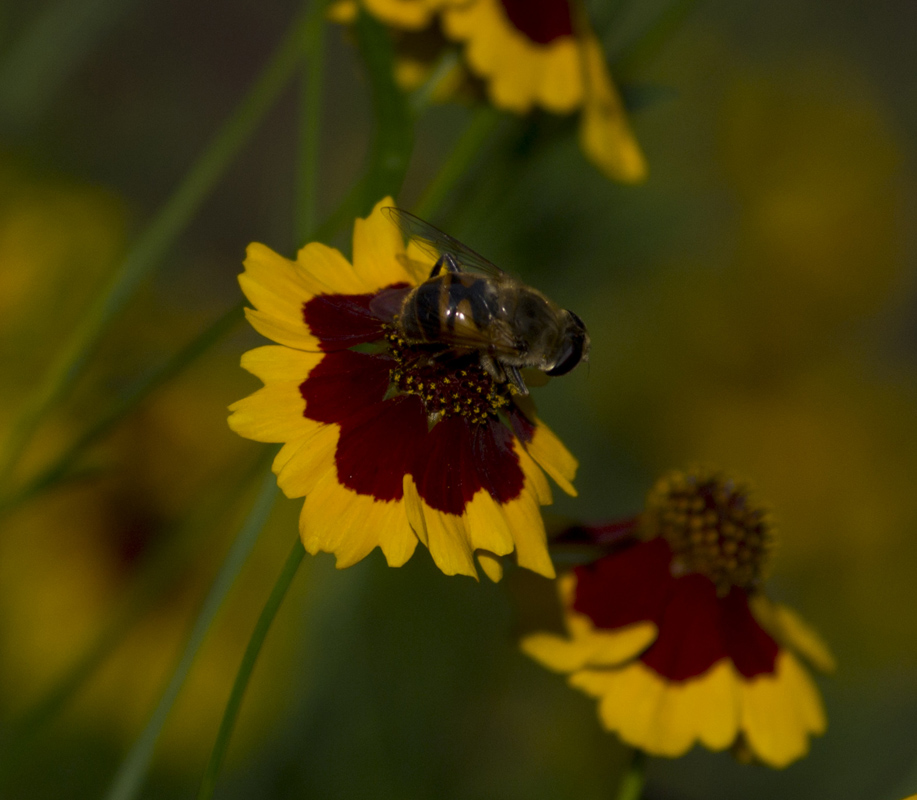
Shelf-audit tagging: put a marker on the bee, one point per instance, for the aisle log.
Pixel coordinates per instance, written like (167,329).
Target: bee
(469,304)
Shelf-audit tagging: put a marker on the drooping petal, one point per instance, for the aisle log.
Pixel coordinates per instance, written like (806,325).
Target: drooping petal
(790,629)
(553,457)
(605,133)
(523,515)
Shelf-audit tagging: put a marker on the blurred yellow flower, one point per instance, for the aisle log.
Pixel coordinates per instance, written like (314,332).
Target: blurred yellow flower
(70,557)
(673,636)
(529,53)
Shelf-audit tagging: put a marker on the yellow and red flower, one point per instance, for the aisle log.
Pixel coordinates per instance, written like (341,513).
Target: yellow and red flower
(671,632)
(531,53)
(387,445)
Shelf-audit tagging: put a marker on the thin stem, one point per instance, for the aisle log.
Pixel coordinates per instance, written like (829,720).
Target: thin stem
(652,37)
(466,149)
(160,235)
(218,755)
(131,774)
(310,110)
(631,786)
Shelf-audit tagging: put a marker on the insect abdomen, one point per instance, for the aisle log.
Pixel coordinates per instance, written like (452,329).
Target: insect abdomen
(434,310)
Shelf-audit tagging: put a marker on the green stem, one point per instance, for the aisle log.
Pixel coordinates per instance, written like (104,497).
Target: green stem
(466,150)
(645,44)
(208,783)
(130,776)
(310,109)
(160,235)
(631,786)
(394,134)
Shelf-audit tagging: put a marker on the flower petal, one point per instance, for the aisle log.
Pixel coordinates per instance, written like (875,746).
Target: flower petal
(553,457)
(780,712)
(275,412)
(523,516)
(447,541)
(303,462)
(605,133)
(329,271)
(337,520)
(491,564)
(378,249)
(597,649)
(790,629)
(662,718)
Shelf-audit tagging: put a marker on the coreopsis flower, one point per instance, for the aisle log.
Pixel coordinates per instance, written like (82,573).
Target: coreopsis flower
(673,635)
(529,53)
(388,445)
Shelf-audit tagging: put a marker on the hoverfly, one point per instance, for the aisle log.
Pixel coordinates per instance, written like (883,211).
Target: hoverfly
(469,304)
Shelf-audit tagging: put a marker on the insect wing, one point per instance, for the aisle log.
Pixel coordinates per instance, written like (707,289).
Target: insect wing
(435,242)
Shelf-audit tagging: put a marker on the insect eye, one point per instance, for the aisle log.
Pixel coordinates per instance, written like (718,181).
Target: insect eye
(575,347)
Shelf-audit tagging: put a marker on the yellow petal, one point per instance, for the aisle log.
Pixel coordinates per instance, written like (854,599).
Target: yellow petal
(329,271)
(535,480)
(303,462)
(378,249)
(407,14)
(561,85)
(524,519)
(597,649)
(295,335)
(790,629)
(270,280)
(281,364)
(413,506)
(337,520)
(448,543)
(553,457)
(486,526)
(491,564)
(780,712)
(661,717)
(605,133)
(272,414)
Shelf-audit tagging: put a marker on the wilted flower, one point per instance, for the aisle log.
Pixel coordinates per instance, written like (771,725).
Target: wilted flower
(673,635)
(388,445)
(529,53)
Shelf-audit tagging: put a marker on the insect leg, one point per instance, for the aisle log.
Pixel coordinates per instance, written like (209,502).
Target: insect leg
(516,384)
(447,261)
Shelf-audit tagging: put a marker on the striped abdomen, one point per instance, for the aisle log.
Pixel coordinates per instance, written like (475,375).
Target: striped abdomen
(452,306)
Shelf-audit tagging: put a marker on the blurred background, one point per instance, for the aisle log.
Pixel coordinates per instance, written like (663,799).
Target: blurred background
(752,306)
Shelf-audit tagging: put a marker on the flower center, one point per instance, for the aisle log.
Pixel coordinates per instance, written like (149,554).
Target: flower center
(449,383)
(711,527)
